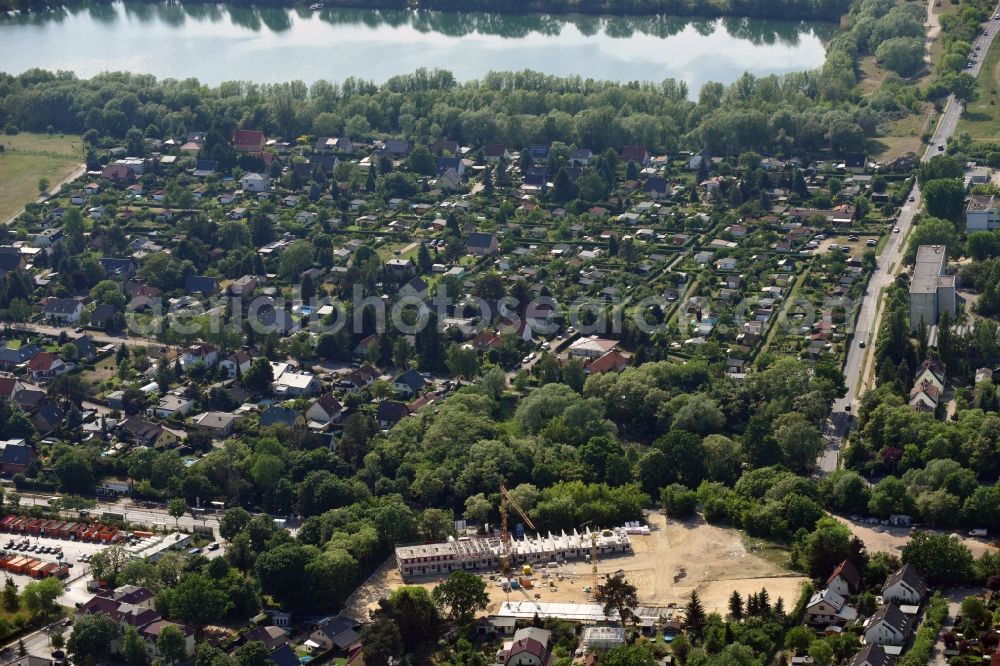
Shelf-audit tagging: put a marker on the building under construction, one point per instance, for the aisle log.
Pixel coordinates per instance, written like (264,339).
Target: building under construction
(470,554)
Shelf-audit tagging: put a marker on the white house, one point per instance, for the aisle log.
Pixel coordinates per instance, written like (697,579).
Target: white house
(255,182)
(200,353)
(726,264)
(151,632)
(906,586)
(239,359)
(845,579)
(291,384)
(326,409)
(63,310)
(171,404)
(888,626)
(826,607)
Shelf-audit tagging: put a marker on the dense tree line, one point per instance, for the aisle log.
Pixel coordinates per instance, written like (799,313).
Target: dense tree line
(802,112)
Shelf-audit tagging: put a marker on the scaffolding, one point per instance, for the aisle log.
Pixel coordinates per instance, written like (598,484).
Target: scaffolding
(470,554)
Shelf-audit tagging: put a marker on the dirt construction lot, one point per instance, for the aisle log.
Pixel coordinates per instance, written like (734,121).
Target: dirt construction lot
(892,539)
(666,566)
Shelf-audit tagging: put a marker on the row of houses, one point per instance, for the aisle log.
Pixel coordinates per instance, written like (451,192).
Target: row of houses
(889,627)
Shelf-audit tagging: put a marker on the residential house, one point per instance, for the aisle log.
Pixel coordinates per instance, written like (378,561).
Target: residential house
(118,268)
(9,387)
(397,148)
(16,455)
(335,633)
(888,626)
(201,284)
(390,412)
(637,154)
(271,636)
(871,655)
(845,579)
(216,424)
(905,586)
(529,647)
(151,632)
(592,347)
(243,286)
(581,157)
(284,655)
(255,182)
(325,410)
(294,384)
(416,288)
(46,365)
(481,244)
(146,433)
(236,363)
(925,397)
(47,417)
(494,152)
(931,370)
(278,415)
(47,237)
(171,405)
(12,358)
(200,352)
(409,383)
(826,608)
(613,361)
(248,141)
(101,317)
(63,310)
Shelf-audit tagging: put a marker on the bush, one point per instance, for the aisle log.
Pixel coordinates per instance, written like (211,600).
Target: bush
(678,501)
(11,129)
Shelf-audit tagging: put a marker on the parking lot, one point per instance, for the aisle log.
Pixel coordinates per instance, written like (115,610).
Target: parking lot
(856,245)
(47,549)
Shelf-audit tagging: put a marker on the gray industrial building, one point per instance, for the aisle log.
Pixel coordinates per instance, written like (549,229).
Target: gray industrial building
(932,290)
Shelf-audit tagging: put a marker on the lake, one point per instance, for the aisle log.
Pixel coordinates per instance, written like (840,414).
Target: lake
(216,43)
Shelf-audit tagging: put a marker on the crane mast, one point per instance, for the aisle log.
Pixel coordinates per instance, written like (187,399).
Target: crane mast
(508,502)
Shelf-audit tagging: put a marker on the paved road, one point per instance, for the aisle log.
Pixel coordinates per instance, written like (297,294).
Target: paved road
(859,364)
(133,513)
(96,336)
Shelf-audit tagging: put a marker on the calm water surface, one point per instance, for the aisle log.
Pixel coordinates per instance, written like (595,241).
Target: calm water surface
(217,43)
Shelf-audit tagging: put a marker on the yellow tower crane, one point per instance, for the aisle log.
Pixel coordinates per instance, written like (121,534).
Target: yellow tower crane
(506,500)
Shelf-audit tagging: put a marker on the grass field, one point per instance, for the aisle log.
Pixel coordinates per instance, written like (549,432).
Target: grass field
(982,118)
(30,157)
(900,136)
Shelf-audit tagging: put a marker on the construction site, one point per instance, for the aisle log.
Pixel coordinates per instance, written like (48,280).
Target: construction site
(666,563)
(479,553)
(504,552)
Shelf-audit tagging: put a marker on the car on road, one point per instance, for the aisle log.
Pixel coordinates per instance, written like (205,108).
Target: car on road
(862,344)
(214,545)
(940,147)
(912,198)
(895,230)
